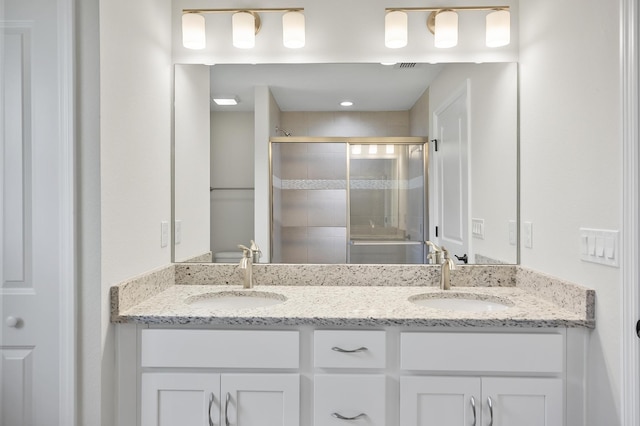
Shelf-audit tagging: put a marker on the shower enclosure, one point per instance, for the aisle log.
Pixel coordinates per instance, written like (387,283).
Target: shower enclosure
(348,200)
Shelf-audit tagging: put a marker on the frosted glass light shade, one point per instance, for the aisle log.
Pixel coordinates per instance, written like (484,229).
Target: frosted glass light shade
(446,31)
(293,32)
(193,31)
(395,29)
(498,28)
(244,30)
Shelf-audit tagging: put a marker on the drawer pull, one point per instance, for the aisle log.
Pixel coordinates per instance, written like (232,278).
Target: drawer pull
(349,351)
(341,417)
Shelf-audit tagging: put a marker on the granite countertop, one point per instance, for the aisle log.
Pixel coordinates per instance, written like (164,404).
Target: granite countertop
(350,306)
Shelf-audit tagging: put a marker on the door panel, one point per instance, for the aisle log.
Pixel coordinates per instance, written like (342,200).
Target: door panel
(523,401)
(452,175)
(439,401)
(30,219)
(179,399)
(261,399)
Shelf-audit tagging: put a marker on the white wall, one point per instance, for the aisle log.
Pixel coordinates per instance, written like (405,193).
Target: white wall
(135,136)
(419,116)
(492,148)
(346,123)
(267,117)
(192,143)
(570,134)
(232,146)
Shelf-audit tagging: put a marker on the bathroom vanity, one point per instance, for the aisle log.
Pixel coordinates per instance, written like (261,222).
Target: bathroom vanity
(351,354)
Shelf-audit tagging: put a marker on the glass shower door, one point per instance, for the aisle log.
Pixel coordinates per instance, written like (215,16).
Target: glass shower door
(386,203)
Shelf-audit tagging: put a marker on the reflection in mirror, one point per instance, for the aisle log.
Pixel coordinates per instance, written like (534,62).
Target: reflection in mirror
(473,173)
(355,201)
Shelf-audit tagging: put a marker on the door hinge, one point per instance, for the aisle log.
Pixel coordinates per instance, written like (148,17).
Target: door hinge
(638,328)
(435,143)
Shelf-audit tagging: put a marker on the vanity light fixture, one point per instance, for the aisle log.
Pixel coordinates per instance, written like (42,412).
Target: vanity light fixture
(193,31)
(442,22)
(498,28)
(246,24)
(395,29)
(226,100)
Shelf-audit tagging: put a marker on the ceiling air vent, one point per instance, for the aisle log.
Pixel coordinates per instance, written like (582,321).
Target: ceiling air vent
(404,65)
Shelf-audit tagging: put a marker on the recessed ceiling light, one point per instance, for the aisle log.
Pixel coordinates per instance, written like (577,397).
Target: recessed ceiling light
(226,101)
(346,103)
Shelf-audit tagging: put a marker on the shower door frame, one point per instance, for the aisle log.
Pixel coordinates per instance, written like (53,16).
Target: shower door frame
(350,141)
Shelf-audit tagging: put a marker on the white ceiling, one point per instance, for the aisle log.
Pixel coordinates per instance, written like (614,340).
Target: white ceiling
(321,87)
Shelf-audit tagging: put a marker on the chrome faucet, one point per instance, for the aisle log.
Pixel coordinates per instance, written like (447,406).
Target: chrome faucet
(445,270)
(249,256)
(435,254)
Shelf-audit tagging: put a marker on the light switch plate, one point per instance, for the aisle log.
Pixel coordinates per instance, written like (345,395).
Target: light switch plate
(527,234)
(177,232)
(477,228)
(600,246)
(513,232)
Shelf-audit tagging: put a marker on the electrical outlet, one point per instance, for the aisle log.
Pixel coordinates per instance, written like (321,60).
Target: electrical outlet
(164,234)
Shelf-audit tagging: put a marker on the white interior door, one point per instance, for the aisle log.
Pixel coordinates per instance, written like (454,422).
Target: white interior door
(451,173)
(32,211)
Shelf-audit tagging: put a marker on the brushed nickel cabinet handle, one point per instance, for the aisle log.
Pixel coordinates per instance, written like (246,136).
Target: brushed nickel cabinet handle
(349,351)
(211,401)
(341,417)
(473,406)
(226,410)
(490,404)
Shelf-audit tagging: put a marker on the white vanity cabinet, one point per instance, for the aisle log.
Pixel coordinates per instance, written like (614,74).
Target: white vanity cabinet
(486,389)
(310,376)
(206,399)
(476,401)
(210,380)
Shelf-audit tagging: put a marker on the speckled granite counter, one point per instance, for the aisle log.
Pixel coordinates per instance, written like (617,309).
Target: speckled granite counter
(353,295)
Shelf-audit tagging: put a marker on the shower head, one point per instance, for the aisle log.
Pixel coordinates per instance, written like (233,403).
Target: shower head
(284,132)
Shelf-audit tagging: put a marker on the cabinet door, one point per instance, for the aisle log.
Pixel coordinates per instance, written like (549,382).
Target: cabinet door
(342,399)
(180,399)
(522,401)
(260,399)
(440,401)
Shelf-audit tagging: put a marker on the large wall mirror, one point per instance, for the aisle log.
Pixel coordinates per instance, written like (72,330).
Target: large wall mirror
(459,118)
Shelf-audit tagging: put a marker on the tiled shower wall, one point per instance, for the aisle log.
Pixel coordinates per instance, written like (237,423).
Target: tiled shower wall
(310,202)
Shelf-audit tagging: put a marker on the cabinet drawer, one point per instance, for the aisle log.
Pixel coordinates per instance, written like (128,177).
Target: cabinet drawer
(349,349)
(220,348)
(482,352)
(359,398)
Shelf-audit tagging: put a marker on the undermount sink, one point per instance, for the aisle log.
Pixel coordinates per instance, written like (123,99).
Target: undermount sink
(233,300)
(454,301)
